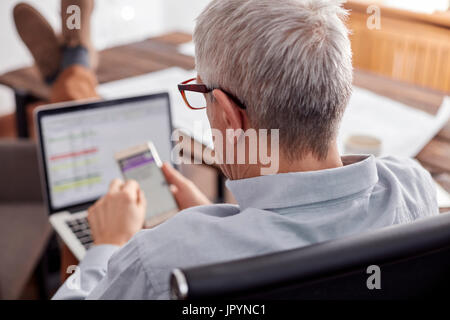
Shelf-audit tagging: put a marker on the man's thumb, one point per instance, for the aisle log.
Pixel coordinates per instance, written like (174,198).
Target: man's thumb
(173,176)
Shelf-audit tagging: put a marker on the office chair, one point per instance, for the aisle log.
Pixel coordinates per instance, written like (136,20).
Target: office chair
(24,226)
(414,262)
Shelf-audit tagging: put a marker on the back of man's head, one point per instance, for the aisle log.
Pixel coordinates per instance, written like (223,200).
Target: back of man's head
(289,61)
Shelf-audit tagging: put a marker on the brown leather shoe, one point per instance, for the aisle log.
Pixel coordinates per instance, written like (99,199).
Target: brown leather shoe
(40,39)
(82,36)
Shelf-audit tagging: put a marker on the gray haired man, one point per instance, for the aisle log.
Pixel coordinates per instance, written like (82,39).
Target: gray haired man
(262,64)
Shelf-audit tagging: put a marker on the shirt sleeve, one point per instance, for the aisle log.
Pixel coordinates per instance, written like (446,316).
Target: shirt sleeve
(112,273)
(87,275)
(426,188)
(126,278)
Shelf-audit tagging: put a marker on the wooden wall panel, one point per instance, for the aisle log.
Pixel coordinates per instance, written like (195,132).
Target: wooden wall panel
(406,49)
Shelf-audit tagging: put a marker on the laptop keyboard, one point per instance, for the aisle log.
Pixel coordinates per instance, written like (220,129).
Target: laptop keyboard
(80,228)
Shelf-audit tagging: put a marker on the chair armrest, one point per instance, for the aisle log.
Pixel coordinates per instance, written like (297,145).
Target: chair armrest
(19,172)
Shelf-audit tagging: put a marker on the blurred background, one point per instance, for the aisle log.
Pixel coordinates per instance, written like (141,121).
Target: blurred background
(115,22)
(402,84)
(121,21)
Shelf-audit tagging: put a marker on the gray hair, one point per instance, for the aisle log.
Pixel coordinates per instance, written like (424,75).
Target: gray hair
(288,61)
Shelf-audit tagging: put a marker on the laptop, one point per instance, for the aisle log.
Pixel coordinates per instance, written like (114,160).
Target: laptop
(76,145)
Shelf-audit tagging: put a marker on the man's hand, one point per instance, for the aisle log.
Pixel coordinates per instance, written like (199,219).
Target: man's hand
(184,190)
(119,215)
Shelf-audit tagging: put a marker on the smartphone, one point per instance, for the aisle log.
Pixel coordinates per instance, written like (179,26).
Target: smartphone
(142,163)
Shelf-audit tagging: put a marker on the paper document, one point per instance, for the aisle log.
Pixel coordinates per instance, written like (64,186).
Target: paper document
(403,130)
(443,197)
(193,122)
(187,49)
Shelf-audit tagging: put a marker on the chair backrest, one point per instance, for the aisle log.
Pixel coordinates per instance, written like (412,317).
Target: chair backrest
(19,172)
(413,261)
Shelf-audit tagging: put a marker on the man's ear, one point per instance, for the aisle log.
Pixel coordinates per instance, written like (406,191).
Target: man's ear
(233,117)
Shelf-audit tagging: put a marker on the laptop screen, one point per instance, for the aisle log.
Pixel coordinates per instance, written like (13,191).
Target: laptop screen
(79,144)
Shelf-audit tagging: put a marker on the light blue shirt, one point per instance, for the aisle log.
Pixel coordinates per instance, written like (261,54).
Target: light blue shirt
(275,213)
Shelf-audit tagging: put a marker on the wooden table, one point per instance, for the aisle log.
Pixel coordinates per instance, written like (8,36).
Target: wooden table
(159,53)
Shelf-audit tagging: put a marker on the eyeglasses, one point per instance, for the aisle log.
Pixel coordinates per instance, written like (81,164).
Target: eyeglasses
(194,95)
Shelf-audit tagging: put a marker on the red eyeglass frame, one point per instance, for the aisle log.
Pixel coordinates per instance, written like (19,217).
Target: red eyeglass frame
(201,88)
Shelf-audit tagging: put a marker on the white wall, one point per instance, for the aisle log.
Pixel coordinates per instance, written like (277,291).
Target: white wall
(428,6)
(114,22)
(181,14)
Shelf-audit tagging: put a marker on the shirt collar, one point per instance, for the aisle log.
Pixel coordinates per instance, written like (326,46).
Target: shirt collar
(300,188)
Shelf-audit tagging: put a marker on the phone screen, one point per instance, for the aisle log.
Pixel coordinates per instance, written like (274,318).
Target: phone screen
(143,168)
